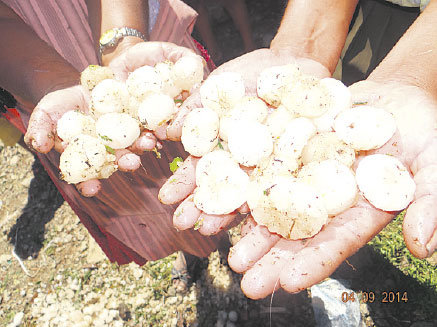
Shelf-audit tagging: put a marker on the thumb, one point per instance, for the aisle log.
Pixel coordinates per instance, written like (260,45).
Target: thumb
(420,222)
(174,129)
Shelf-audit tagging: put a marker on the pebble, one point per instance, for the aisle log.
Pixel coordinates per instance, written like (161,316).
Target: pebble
(17,320)
(233,316)
(138,273)
(222,315)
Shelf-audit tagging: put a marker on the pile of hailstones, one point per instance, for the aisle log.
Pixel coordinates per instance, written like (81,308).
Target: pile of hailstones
(300,136)
(119,111)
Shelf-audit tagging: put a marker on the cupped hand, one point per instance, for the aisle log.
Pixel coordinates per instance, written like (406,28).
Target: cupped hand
(269,262)
(182,184)
(41,132)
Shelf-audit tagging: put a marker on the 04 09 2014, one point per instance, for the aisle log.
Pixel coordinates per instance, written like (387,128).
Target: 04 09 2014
(370,297)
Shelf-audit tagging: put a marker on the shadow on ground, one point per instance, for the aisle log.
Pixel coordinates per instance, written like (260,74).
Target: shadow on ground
(27,234)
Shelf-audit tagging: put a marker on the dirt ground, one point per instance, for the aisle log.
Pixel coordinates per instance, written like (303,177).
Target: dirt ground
(52,273)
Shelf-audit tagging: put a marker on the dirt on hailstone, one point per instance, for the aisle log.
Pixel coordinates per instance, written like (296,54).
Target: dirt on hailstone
(52,273)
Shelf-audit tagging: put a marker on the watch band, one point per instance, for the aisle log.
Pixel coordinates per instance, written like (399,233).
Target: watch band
(111,37)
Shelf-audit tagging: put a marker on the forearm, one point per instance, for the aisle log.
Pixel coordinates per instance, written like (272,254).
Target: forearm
(315,29)
(106,14)
(29,74)
(413,60)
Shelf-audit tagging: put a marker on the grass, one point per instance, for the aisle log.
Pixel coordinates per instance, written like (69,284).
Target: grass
(420,275)
(390,244)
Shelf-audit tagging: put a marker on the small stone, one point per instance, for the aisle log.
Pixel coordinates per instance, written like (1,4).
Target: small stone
(23,293)
(138,273)
(233,316)
(5,258)
(222,315)
(124,312)
(230,324)
(17,319)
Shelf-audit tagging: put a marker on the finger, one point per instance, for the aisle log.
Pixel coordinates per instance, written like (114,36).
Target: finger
(174,129)
(420,226)
(40,133)
(244,209)
(312,68)
(161,132)
(186,215)
(251,248)
(181,184)
(89,188)
(256,284)
(342,237)
(126,160)
(213,224)
(147,54)
(420,222)
(145,142)
(248,224)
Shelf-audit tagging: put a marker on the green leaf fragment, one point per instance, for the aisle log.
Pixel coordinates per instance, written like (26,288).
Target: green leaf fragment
(105,138)
(220,145)
(109,149)
(174,165)
(198,224)
(360,103)
(157,153)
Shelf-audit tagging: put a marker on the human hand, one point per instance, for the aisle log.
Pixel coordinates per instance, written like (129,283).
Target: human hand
(270,262)
(182,183)
(41,133)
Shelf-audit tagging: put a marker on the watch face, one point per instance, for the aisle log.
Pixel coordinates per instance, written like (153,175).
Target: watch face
(107,37)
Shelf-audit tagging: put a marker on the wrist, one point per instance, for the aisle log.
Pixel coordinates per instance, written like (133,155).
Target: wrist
(110,54)
(49,76)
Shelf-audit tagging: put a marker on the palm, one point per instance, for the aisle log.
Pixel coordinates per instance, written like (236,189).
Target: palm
(42,124)
(269,262)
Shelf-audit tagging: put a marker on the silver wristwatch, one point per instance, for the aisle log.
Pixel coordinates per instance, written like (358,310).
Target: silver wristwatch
(111,37)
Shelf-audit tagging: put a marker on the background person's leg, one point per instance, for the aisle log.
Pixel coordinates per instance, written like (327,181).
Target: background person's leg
(238,11)
(375,29)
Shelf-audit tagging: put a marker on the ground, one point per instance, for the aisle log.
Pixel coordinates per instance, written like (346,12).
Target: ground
(52,273)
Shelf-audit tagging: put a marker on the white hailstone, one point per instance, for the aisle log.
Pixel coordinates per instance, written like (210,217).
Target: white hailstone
(73,123)
(117,130)
(222,184)
(295,137)
(250,142)
(287,207)
(155,110)
(165,70)
(333,182)
(222,92)
(277,121)
(325,146)
(365,127)
(272,82)
(144,80)
(94,74)
(86,158)
(307,97)
(248,108)
(341,99)
(200,131)
(188,72)
(109,96)
(385,182)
